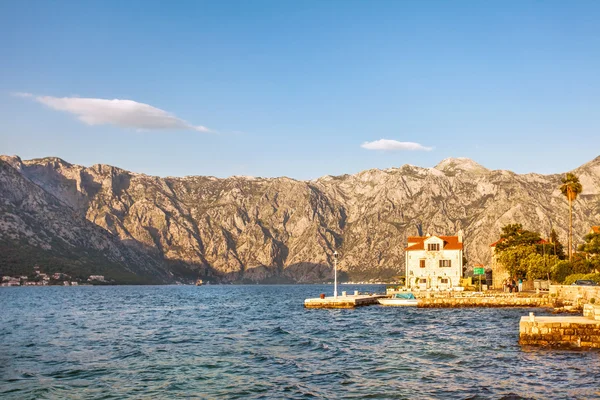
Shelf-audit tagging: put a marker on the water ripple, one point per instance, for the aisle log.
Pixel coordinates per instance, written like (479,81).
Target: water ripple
(258,342)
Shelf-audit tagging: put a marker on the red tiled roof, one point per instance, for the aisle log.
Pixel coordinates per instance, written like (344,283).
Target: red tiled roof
(596,229)
(450,243)
(496,242)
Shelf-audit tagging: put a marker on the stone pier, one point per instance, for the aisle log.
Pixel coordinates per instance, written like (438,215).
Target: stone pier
(343,301)
(559,331)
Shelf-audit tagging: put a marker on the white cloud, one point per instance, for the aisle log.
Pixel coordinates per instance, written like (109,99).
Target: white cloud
(22,94)
(387,144)
(124,113)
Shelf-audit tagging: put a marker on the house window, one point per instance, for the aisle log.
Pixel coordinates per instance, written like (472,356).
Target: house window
(423,281)
(422,263)
(445,280)
(445,263)
(433,246)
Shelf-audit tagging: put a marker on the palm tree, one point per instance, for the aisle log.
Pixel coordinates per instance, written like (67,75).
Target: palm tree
(570,188)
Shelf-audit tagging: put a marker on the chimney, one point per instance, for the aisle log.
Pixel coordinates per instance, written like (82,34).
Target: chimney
(460,235)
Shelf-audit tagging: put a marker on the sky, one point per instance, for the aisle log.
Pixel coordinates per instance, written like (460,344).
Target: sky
(300,88)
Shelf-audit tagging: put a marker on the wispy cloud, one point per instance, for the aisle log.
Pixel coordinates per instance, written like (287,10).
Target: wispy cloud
(21,94)
(387,144)
(123,113)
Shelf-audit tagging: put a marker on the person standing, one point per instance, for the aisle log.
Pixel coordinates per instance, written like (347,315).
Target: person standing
(520,284)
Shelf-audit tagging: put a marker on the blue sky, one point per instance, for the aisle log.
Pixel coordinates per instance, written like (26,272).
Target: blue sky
(283,88)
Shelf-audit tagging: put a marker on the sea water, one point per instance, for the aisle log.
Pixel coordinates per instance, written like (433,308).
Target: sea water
(259,342)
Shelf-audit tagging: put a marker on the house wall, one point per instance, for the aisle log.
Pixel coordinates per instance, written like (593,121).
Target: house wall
(499,273)
(432,271)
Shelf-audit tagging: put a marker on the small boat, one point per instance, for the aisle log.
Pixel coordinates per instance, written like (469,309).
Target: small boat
(199,282)
(399,299)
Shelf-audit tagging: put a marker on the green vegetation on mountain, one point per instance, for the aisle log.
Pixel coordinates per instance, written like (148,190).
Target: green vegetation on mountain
(18,259)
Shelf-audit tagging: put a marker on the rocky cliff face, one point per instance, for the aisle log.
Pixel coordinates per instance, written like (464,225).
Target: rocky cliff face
(283,230)
(38,228)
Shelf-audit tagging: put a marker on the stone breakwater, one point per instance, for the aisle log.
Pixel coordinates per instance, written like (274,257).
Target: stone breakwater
(591,311)
(580,331)
(560,332)
(491,301)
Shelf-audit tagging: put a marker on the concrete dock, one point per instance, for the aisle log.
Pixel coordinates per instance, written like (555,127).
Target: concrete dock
(348,301)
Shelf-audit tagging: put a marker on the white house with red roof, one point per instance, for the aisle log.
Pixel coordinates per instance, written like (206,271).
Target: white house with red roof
(434,261)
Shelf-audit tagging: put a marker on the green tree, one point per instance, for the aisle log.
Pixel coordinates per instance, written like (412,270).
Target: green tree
(524,254)
(592,249)
(512,258)
(591,245)
(539,266)
(571,188)
(514,235)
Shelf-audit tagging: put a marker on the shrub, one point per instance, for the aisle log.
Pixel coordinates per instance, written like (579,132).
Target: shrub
(569,280)
(592,300)
(594,277)
(561,270)
(582,266)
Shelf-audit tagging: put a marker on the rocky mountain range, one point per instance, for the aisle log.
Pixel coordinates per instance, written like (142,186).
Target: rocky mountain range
(245,229)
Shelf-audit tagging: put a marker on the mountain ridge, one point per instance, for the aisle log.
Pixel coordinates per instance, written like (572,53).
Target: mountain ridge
(253,229)
(459,161)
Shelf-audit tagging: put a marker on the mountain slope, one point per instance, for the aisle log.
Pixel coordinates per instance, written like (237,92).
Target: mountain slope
(37,228)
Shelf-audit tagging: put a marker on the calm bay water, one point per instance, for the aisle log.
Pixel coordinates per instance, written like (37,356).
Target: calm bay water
(259,342)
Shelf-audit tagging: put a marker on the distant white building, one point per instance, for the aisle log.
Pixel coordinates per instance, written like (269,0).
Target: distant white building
(434,261)
(96,278)
(10,281)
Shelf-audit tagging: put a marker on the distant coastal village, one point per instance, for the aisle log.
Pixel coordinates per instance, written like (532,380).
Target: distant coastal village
(39,278)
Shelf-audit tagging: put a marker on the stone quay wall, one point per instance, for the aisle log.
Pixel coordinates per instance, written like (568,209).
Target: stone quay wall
(560,332)
(488,301)
(591,311)
(575,293)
